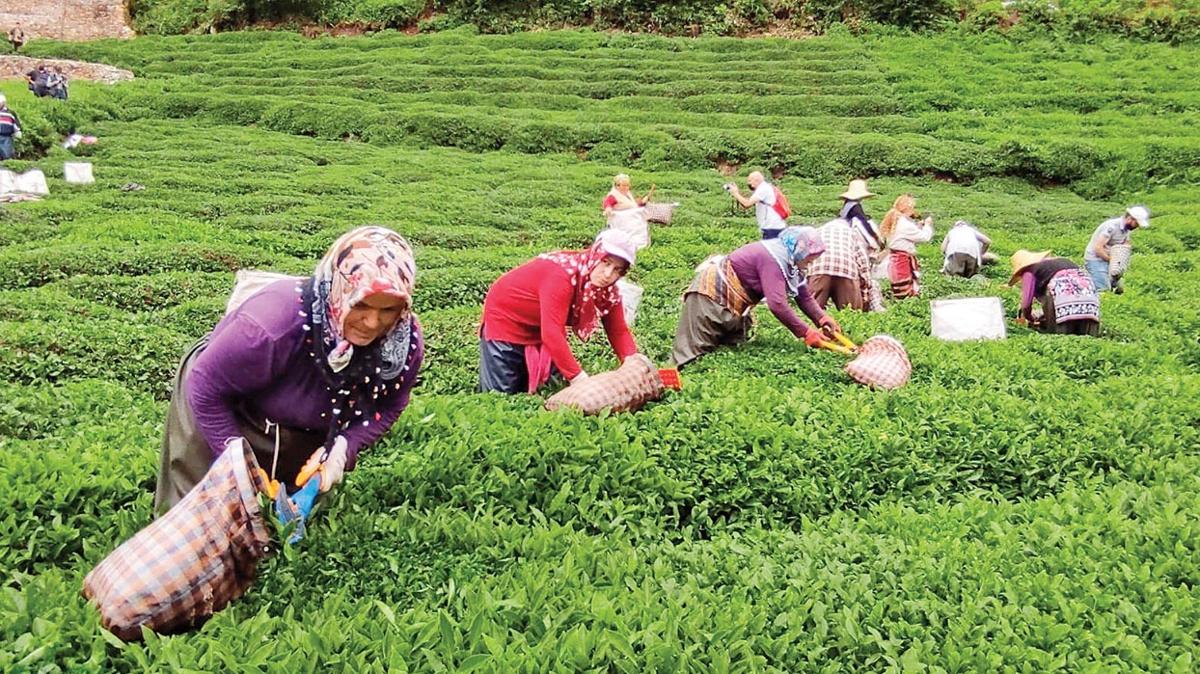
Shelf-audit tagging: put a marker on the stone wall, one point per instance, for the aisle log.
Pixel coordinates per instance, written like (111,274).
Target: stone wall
(74,20)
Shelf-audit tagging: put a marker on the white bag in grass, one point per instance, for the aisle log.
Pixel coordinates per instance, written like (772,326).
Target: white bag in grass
(78,172)
(32,181)
(968,318)
(631,298)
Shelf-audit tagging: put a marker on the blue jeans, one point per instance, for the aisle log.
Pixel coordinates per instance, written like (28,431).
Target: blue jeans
(1098,270)
(6,148)
(770,233)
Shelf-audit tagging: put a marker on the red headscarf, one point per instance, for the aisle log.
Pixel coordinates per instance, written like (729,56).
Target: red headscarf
(589,304)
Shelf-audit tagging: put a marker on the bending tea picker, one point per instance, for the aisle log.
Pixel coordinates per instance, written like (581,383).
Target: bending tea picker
(718,304)
(307,370)
(1070,303)
(528,310)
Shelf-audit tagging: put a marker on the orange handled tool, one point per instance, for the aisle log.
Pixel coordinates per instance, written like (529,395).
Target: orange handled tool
(315,464)
(272,485)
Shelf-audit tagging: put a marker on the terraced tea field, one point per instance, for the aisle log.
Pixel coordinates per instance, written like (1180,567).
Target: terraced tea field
(1023,505)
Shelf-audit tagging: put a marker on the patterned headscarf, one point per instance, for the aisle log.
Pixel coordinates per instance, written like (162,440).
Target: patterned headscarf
(793,246)
(363,262)
(589,303)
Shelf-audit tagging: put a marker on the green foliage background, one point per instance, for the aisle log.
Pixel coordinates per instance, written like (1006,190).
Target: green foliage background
(1171,21)
(1024,505)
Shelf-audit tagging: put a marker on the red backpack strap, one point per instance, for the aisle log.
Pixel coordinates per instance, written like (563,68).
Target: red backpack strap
(782,208)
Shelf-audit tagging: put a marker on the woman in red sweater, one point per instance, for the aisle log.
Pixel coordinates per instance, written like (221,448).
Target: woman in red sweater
(527,312)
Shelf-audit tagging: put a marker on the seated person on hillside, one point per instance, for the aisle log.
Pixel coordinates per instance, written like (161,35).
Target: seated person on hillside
(620,210)
(963,248)
(302,366)
(717,306)
(37,81)
(1070,304)
(527,311)
(56,83)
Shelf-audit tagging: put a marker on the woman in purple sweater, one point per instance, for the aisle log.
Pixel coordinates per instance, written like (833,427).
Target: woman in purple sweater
(303,365)
(726,288)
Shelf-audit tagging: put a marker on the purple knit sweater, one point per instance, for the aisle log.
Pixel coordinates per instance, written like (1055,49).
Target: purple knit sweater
(257,356)
(763,279)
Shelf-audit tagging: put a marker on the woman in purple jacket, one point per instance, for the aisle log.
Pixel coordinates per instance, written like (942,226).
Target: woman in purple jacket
(303,366)
(726,288)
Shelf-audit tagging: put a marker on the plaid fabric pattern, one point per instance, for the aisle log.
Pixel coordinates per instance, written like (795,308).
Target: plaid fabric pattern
(660,213)
(716,280)
(191,562)
(882,363)
(624,389)
(1118,259)
(845,256)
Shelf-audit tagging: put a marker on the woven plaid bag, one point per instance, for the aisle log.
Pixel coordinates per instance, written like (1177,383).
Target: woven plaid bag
(882,363)
(1118,262)
(624,389)
(191,562)
(660,213)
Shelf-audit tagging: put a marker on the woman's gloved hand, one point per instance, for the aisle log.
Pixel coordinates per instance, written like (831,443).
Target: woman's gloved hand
(582,376)
(334,468)
(813,338)
(829,325)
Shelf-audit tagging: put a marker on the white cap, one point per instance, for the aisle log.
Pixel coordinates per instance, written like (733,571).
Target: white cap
(618,244)
(1139,213)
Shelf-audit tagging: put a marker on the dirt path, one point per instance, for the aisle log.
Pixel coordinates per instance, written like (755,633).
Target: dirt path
(15,67)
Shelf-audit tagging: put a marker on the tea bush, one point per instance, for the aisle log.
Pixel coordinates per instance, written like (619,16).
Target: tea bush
(1026,505)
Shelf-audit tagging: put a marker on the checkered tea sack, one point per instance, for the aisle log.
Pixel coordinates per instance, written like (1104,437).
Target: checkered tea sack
(191,562)
(882,362)
(660,213)
(1118,262)
(624,389)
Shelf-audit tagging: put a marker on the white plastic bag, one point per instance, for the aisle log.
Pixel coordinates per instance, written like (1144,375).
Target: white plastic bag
(631,298)
(32,181)
(632,221)
(249,281)
(968,318)
(78,172)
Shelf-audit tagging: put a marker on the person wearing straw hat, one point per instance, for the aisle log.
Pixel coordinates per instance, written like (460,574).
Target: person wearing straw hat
(1111,232)
(1070,304)
(853,213)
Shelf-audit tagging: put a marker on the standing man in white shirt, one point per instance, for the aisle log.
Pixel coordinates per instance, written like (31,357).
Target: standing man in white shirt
(763,199)
(1111,232)
(963,249)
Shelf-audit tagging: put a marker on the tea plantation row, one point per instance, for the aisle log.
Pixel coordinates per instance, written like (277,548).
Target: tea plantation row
(1024,505)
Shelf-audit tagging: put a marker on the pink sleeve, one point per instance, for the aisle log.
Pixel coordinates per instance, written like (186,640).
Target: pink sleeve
(1028,283)
(554,299)
(618,333)
(609,202)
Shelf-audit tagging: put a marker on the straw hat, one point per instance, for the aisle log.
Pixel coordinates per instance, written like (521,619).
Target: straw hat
(1022,259)
(857,190)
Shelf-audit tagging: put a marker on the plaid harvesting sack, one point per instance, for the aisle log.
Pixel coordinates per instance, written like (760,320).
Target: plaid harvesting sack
(882,362)
(624,389)
(191,562)
(660,213)
(1118,262)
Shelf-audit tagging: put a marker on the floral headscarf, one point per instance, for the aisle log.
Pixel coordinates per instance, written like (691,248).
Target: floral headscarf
(363,262)
(793,246)
(589,304)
